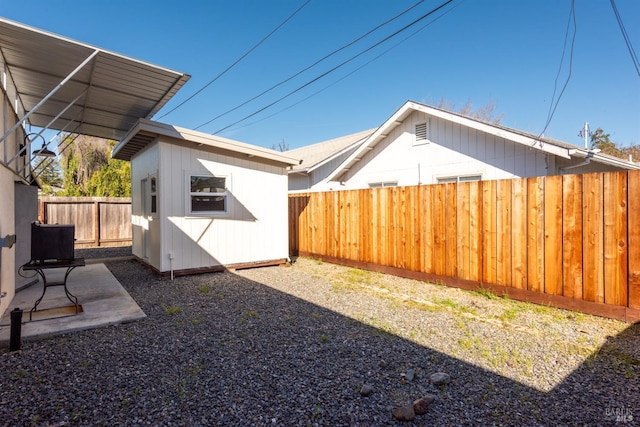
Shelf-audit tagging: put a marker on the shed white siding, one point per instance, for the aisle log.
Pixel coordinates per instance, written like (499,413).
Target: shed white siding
(450,150)
(145,225)
(255,229)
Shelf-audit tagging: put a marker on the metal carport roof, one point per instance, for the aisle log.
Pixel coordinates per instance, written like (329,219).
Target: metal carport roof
(67,85)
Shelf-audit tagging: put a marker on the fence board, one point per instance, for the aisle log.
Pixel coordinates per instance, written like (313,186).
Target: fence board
(503,227)
(593,237)
(634,238)
(98,221)
(489,232)
(553,235)
(572,236)
(519,229)
(615,238)
(463,244)
(428,226)
(535,234)
(439,253)
(450,230)
(475,231)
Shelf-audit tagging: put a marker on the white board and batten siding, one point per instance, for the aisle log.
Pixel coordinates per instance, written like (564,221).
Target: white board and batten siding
(450,150)
(143,166)
(253,230)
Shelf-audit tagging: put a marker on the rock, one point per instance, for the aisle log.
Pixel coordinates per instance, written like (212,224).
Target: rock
(440,378)
(421,406)
(410,374)
(366,390)
(404,413)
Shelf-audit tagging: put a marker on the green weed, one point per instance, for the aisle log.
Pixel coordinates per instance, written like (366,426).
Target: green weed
(172,310)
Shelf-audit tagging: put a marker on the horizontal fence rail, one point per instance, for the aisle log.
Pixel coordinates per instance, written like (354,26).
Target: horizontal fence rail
(571,241)
(99,221)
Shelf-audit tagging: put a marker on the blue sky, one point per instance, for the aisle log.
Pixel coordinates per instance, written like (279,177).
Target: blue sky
(490,51)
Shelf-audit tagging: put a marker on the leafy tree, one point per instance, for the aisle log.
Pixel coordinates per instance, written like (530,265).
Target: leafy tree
(48,174)
(89,169)
(602,141)
(111,180)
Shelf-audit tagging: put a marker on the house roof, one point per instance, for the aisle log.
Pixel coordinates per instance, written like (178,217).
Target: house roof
(145,132)
(547,145)
(315,155)
(63,84)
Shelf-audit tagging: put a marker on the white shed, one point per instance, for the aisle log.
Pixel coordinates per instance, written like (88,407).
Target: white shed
(201,202)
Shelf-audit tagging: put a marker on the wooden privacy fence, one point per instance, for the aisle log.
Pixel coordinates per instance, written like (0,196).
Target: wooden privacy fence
(572,241)
(99,221)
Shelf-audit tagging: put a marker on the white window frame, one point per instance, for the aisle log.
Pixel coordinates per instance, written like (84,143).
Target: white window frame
(226,194)
(468,177)
(416,134)
(383,184)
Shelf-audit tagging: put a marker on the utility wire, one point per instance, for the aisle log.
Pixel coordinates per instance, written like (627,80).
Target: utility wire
(552,107)
(634,58)
(237,61)
(312,65)
(337,66)
(352,72)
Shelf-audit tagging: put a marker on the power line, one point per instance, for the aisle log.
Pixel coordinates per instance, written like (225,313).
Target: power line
(337,66)
(352,72)
(312,65)
(552,107)
(237,61)
(634,58)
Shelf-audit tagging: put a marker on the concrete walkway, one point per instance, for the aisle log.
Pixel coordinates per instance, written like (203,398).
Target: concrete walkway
(102,299)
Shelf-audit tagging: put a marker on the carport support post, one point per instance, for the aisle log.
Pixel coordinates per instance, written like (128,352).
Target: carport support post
(16,329)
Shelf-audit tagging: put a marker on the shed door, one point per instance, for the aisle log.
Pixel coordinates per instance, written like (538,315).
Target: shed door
(146,213)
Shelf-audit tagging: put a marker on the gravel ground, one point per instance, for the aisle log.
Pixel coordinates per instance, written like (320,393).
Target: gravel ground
(293,346)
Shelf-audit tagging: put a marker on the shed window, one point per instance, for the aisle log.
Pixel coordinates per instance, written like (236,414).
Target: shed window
(154,196)
(421,133)
(208,194)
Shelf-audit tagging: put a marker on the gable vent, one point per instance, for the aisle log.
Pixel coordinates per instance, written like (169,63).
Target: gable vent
(422,130)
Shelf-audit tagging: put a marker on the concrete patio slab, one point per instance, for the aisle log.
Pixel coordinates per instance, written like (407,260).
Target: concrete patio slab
(102,299)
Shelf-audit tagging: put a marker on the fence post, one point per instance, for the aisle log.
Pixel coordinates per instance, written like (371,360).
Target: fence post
(96,222)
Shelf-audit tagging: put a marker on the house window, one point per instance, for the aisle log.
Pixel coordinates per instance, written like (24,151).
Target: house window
(383,184)
(459,178)
(421,133)
(208,194)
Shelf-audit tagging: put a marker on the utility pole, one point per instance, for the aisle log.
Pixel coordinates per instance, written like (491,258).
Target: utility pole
(584,132)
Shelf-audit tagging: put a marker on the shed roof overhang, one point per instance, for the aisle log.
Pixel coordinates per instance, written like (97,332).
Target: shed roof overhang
(146,132)
(66,85)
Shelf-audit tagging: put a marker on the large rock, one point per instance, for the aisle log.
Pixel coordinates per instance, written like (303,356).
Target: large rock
(440,378)
(404,413)
(421,406)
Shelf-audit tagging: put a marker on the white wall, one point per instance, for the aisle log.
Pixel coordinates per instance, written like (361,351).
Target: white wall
(9,260)
(26,212)
(255,230)
(7,227)
(144,165)
(453,150)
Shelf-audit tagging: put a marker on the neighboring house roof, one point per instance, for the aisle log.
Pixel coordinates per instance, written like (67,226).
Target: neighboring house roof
(315,155)
(67,85)
(547,145)
(145,132)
